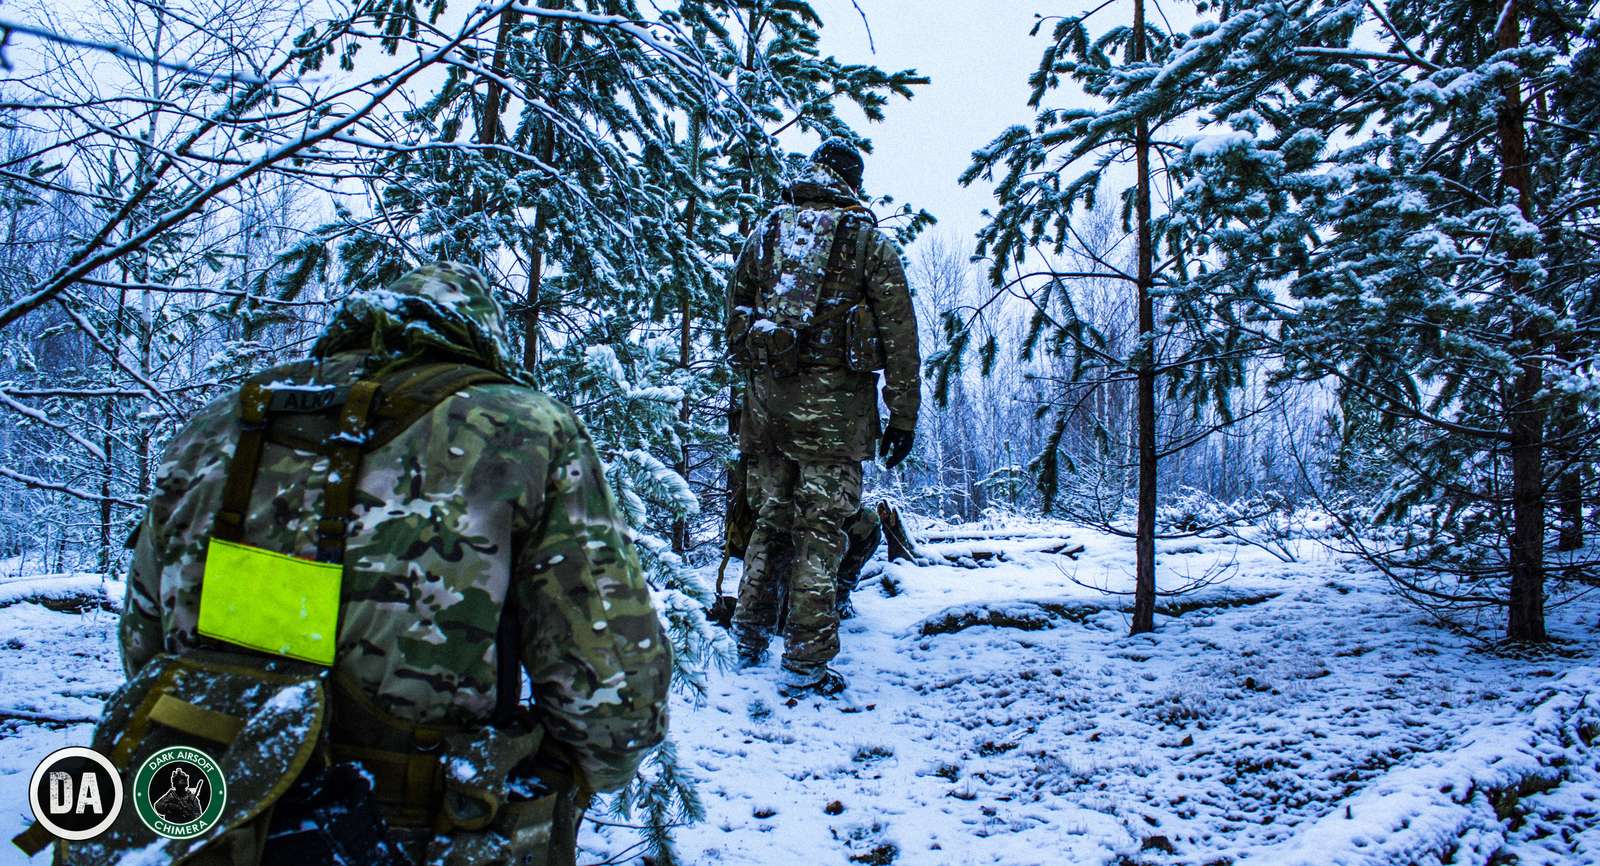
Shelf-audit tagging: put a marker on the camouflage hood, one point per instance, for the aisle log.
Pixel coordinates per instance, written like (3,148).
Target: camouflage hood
(437,311)
(819,184)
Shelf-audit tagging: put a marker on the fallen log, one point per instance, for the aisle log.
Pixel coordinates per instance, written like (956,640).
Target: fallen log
(46,718)
(1062,550)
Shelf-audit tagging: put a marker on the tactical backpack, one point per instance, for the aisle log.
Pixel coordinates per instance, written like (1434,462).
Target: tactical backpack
(810,308)
(263,699)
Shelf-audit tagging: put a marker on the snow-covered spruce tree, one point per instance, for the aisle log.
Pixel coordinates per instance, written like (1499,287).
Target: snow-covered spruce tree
(1408,193)
(163,163)
(1143,83)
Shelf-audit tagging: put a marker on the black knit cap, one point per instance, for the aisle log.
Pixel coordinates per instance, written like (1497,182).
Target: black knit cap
(842,157)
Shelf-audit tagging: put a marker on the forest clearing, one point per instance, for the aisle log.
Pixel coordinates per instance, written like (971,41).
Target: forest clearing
(1292,713)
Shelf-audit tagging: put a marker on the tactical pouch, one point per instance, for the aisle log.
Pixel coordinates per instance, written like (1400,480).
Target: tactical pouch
(863,348)
(497,809)
(467,795)
(773,349)
(331,816)
(259,718)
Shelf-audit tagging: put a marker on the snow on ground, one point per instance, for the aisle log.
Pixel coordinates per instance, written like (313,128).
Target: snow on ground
(999,714)
(56,667)
(1319,720)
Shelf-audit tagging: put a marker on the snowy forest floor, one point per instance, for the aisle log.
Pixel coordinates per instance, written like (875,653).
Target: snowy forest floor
(1295,713)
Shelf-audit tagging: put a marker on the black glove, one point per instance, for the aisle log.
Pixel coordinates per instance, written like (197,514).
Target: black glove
(895,445)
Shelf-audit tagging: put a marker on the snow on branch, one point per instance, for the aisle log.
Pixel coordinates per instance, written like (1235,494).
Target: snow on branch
(54,487)
(8,27)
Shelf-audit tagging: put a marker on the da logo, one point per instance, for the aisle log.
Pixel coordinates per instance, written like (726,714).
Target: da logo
(179,792)
(75,793)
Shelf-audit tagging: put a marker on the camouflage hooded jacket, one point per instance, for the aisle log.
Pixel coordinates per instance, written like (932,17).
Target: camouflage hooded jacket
(831,413)
(497,491)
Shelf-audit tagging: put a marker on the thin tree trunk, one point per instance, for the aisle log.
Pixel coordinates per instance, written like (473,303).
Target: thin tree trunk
(547,150)
(1570,493)
(1526,614)
(108,443)
(490,127)
(680,526)
(147,330)
(1144,599)
(530,315)
(107,473)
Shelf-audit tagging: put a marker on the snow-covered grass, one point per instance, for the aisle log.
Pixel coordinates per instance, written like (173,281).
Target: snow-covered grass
(999,713)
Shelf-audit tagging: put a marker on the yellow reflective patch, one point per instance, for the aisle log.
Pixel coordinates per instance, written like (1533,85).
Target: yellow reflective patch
(270,602)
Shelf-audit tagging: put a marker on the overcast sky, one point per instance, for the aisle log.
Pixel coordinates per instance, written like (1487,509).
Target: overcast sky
(978,54)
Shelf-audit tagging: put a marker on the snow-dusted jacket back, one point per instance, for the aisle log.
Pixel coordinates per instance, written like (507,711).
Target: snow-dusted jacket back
(827,411)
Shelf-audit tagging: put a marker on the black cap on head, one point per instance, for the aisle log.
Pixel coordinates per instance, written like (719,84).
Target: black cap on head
(843,158)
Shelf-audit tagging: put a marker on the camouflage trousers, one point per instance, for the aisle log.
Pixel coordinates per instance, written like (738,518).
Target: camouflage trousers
(805,505)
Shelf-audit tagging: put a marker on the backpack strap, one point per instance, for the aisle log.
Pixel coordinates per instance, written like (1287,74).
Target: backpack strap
(246,461)
(368,415)
(822,340)
(338,496)
(33,840)
(844,235)
(414,392)
(769,246)
(858,276)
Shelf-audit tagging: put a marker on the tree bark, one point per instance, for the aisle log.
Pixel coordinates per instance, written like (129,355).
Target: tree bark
(530,314)
(490,127)
(1144,598)
(1526,416)
(547,151)
(680,526)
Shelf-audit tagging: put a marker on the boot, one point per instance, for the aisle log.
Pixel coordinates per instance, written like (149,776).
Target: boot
(752,648)
(820,680)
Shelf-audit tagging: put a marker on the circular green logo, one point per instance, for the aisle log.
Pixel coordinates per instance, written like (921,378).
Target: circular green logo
(179,792)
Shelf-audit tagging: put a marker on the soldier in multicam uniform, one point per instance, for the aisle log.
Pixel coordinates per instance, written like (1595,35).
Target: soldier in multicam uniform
(817,304)
(491,502)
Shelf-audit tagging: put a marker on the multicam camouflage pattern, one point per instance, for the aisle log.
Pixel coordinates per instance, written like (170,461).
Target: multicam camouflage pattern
(808,432)
(828,412)
(803,238)
(497,492)
(863,533)
(804,505)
